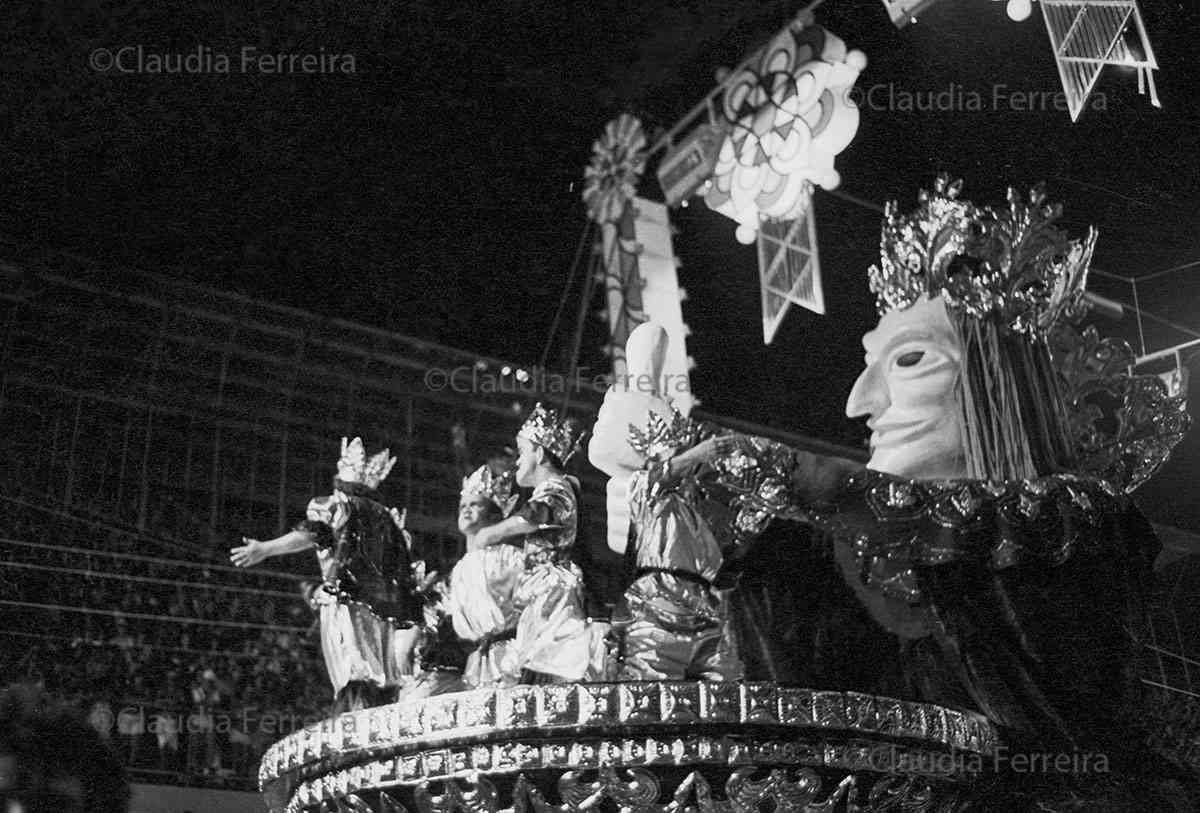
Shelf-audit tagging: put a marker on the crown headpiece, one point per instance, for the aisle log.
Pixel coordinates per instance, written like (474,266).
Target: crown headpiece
(355,467)
(559,436)
(1013,265)
(498,488)
(662,436)
(1123,426)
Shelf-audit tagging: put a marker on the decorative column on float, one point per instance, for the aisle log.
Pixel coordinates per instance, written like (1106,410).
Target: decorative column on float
(610,185)
(639,271)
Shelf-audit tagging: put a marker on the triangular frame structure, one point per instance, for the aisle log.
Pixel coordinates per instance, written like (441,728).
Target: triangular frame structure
(789,268)
(1087,35)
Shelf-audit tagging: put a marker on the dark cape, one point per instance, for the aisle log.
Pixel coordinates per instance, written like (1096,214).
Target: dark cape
(374,563)
(1023,601)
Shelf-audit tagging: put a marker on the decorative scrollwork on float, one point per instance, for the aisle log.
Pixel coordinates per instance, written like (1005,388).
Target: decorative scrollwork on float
(639,791)
(480,797)
(694,789)
(797,794)
(1124,426)
(708,747)
(389,805)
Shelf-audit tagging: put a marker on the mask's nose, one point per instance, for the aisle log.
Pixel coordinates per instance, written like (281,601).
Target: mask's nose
(869,394)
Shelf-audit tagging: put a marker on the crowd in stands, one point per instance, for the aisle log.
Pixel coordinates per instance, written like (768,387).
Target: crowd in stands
(189,669)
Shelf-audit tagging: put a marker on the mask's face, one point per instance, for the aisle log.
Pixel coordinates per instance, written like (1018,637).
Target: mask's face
(473,514)
(909,391)
(528,457)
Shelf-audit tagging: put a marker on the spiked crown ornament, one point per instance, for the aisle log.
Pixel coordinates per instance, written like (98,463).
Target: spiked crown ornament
(663,436)
(559,436)
(1019,281)
(497,488)
(1123,426)
(355,467)
(1013,265)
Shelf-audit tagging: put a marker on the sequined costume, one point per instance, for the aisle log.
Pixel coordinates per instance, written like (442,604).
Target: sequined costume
(1021,600)
(365,602)
(480,606)
(678,626)
(553,637)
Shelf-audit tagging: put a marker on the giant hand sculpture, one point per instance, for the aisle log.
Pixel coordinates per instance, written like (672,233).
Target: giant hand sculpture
(629,401)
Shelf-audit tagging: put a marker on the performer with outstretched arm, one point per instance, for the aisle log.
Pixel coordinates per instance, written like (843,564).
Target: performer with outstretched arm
(366,602)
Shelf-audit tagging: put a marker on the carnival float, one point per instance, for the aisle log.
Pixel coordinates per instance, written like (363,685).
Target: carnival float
(666,732)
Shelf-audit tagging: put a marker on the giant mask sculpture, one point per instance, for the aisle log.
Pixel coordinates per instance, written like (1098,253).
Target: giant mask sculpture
(909,393)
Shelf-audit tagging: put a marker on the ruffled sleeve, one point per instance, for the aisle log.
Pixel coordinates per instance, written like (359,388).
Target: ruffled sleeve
(322,517)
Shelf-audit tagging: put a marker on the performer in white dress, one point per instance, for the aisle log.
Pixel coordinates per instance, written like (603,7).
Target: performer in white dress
(555,642)
(480,601)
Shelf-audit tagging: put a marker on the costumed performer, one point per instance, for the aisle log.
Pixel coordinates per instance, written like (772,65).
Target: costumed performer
(554,641)
(368,611)
(674,623)
(482,583)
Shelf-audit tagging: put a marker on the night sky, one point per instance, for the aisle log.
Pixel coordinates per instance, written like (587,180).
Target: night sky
(434,188)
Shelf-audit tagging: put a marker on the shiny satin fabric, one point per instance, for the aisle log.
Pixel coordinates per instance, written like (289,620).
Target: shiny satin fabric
(1023,601)
(679,644)
(358,645)
(553,634)
(678,626)
(671,533)
(480,604)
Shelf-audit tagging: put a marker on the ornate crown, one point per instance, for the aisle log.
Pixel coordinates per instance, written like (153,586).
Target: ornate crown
(355,467)
(662,435)
(559,436)
(498,488)
(1011,264)
(1123,426)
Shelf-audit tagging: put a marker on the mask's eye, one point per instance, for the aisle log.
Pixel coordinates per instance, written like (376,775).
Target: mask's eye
(910,359)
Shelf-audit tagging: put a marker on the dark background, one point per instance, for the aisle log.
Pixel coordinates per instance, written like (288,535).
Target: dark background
(434,191)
